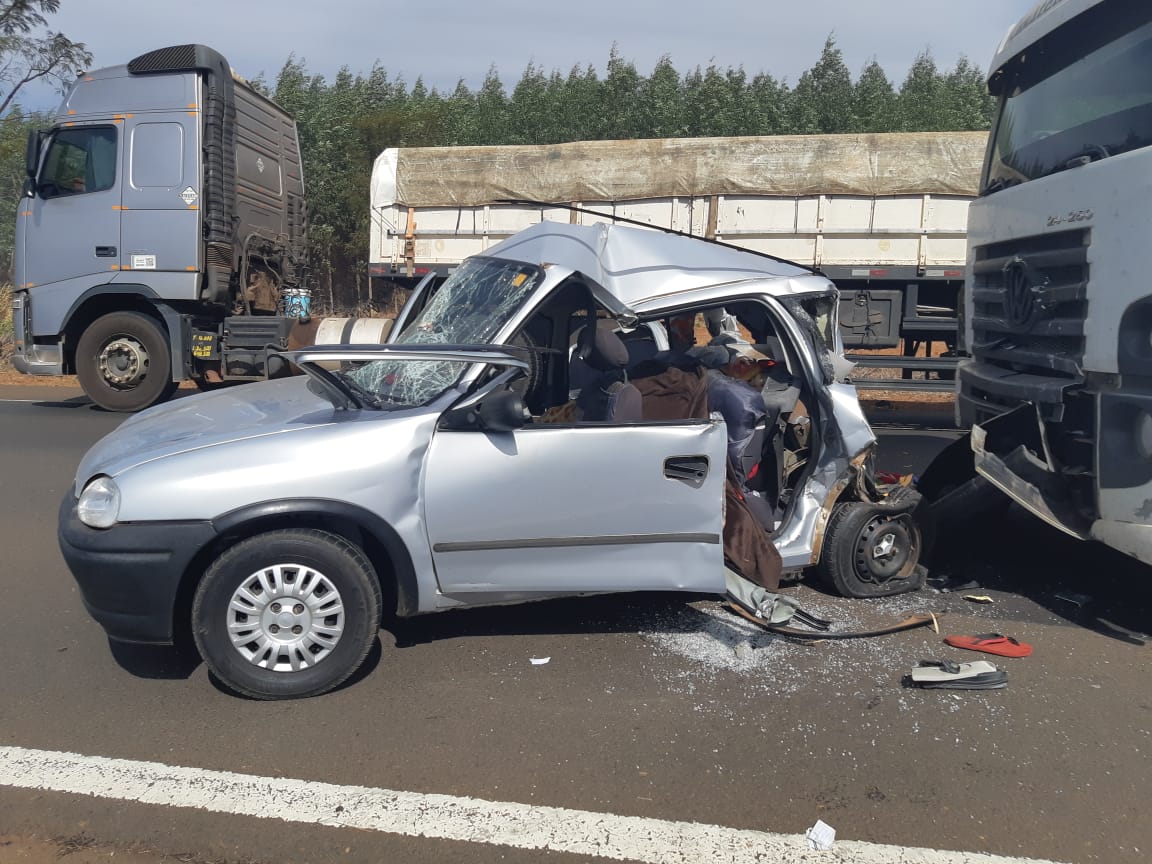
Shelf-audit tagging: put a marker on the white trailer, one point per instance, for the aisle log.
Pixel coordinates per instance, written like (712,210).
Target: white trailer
(883,215)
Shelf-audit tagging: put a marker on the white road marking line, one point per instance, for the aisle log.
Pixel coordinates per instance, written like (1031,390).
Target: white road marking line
(448,817)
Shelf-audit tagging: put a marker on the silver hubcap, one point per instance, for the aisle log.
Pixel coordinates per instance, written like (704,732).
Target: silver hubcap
(124,362)
(884,547)
(286,618)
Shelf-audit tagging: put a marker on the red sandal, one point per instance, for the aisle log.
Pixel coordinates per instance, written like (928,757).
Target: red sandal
(991,643)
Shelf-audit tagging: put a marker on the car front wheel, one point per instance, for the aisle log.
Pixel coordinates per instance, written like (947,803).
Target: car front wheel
(287,614)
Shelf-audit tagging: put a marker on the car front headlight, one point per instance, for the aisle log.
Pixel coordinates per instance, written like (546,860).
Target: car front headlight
(99,503)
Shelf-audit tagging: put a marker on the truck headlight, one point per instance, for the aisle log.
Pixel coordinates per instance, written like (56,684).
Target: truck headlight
(99,503)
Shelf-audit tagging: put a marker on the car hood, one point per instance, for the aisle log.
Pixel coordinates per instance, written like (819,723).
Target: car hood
(206,420)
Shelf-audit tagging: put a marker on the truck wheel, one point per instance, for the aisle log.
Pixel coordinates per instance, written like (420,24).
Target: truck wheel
(124,363)
(287,614)
(871,550)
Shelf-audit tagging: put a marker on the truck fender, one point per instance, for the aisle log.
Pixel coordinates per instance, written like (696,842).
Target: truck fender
(172,320)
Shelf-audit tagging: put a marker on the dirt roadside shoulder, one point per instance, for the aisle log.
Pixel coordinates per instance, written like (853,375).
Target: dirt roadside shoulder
(82,849)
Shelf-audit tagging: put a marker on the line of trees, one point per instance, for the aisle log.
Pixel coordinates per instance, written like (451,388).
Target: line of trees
(29,52)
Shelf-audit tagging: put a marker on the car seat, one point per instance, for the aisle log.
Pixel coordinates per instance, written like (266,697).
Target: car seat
(607,397)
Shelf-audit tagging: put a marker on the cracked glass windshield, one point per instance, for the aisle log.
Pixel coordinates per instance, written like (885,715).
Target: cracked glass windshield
(470,308)
(1085,97)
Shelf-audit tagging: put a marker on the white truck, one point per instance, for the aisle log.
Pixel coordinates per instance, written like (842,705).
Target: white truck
(1058,306)
(882,215)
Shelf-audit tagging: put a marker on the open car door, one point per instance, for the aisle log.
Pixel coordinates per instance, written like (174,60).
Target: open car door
(577,508)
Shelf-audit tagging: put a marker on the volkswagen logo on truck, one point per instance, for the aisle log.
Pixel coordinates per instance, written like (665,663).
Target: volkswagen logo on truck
(1019,294)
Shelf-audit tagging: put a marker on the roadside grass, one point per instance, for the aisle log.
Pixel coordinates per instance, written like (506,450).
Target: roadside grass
(7,333)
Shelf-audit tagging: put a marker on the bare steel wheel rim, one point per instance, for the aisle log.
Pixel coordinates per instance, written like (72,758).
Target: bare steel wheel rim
(123,361)
(884,549)
(286,618)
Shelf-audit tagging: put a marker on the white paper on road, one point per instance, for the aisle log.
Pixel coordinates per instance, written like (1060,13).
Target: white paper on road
(821,836)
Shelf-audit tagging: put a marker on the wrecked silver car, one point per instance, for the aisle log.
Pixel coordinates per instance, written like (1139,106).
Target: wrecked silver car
(542,424)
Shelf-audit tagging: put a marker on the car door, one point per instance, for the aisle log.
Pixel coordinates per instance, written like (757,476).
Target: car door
(562,509)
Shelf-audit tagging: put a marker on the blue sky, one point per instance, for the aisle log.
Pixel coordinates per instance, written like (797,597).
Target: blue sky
(443,41)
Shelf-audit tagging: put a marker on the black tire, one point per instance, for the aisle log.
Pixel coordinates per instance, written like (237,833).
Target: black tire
(266,566)
(124,362)
(856,532)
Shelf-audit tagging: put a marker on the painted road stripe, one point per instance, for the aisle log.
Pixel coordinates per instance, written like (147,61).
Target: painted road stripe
(411,814)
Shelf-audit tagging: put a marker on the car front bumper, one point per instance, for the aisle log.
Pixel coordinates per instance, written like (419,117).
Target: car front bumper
(129,575)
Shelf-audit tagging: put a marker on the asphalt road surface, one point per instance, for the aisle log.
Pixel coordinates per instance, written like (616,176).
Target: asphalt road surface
(651,712)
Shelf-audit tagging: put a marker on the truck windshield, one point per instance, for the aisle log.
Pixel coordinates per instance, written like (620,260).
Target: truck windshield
(1084,94)
(470,308)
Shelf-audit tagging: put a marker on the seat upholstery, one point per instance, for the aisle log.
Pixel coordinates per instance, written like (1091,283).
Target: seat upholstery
(607,396)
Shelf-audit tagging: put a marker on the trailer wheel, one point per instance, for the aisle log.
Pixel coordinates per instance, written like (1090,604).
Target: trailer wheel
(124,363)
(871,550)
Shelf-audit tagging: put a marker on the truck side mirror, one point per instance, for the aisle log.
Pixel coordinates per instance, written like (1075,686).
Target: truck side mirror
(32,152)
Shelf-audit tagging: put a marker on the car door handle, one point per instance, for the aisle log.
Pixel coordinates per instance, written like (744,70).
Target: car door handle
(106,252)
(690,469)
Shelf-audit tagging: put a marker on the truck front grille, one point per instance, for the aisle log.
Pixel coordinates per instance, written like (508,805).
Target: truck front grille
(1030,299)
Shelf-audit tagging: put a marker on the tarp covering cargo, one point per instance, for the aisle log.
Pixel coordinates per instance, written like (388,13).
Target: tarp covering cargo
(914,163)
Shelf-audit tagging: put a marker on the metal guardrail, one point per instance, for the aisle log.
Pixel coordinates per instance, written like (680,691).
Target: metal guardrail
(945,366)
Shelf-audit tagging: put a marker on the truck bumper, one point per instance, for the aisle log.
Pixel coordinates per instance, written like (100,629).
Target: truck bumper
(31,358)
(129,575)
(1010,453)
(986,391)
(41,360)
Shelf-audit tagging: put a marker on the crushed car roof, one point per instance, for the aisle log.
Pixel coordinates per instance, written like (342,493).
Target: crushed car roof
(637,264)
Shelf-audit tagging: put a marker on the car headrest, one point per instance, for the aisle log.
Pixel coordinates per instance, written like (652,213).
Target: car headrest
(601,349)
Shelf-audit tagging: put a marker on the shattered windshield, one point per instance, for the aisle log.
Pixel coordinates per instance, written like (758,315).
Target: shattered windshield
(389,385)
(1083,96)
(470,308)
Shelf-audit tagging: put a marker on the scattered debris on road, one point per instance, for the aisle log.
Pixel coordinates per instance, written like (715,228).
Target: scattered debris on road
(940,674)
(991,643)
(821,836)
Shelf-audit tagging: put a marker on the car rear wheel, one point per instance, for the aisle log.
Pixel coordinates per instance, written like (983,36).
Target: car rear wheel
(287,614)
(871,550)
